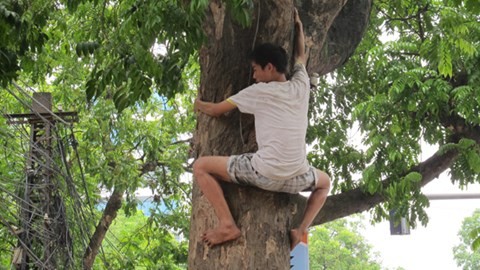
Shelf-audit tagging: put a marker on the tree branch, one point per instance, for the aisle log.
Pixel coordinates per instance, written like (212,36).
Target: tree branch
(342,36)
(356,200)
(109,214)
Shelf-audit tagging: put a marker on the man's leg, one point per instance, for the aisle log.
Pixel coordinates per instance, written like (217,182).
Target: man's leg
(314,204)
(208,171)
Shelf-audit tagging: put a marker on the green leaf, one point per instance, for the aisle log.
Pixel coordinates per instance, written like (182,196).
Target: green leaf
(395,129)
(466,47)
(373,187)
(413,177)
(445,62)
(473,159)
(122,102)
(473,5)
(241,11)
(457,2)
(90,89)
(476,244)
(466,143)
(462,92)
(475,235)
(412,106)
(447,147)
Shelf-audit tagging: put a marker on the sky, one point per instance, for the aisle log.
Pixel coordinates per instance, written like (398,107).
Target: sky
(427,247)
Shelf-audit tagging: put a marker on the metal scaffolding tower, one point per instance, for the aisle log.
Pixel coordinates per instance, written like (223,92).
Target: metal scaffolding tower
(43,236)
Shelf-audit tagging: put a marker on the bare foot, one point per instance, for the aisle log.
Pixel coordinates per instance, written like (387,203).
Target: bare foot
(221,234)
(295,238)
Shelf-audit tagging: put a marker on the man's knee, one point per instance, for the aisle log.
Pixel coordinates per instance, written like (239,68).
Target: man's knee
(323,180)
(215,166)
(199,166)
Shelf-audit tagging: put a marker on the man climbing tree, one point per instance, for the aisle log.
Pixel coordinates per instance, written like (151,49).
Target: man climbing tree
(265,218)
(280,109)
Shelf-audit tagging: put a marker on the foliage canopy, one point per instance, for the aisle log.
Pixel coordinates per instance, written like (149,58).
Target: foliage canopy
(465,255)
(340,245)
(413,80)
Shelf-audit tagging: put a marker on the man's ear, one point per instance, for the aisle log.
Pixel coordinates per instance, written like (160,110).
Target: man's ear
(270,67)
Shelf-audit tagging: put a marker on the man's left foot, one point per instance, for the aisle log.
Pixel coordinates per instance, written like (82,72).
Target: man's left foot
(295,238)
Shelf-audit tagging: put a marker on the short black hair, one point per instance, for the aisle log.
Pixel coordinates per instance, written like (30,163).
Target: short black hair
(270,53)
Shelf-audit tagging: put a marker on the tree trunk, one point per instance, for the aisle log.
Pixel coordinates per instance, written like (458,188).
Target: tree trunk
(263,217)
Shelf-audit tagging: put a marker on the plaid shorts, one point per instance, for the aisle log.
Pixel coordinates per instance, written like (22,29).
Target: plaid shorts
(242,172)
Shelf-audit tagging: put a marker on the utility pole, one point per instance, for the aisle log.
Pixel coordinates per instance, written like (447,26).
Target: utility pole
(43,236)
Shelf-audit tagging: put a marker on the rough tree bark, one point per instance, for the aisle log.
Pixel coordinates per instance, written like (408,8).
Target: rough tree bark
(333,30)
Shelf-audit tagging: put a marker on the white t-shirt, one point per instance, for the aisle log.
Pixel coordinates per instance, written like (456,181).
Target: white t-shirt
(280,111)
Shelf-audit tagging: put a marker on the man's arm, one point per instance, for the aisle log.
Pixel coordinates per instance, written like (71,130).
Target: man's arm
(299,53)
(213,109)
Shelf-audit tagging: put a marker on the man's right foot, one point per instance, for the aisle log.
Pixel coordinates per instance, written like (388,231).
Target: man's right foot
(220,235)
